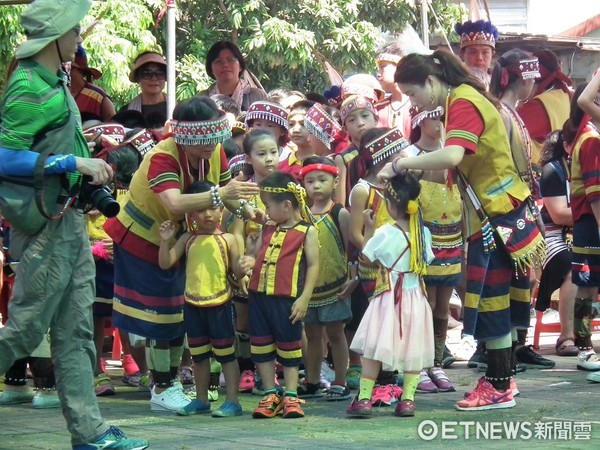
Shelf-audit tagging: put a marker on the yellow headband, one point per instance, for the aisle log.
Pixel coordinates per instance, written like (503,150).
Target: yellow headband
(299,193)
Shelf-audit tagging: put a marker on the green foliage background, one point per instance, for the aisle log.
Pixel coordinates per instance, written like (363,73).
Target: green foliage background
(278,37)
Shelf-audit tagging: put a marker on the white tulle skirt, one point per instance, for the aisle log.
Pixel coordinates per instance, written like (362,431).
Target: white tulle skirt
(378,336)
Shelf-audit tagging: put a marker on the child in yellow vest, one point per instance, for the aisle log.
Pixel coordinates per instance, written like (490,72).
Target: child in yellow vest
(329,308)
(210,255)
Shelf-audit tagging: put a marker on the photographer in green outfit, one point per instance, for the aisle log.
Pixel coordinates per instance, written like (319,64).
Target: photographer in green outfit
(54,287)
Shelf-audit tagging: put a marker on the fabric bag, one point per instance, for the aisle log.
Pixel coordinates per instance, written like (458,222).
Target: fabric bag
(29,202)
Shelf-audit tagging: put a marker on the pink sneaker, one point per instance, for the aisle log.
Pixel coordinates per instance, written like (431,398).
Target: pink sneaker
(382,396)
(129,365)
(360,408)
(426,386)
(246,381)
(441,380)
(513,387)
(484,397)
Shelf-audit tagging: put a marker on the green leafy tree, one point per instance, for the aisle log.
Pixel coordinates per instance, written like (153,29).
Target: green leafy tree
(282,39)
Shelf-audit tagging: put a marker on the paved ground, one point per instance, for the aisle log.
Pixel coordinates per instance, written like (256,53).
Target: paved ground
(561,400)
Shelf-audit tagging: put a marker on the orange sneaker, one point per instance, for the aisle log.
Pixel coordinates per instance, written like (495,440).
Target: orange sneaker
(268,407)
(291,407)
(485,396)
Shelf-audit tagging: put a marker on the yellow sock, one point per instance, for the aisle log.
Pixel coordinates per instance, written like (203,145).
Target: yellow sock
(409,387)
(366,388)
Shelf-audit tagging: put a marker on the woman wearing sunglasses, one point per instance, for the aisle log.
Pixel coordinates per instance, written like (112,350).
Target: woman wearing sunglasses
(150,72)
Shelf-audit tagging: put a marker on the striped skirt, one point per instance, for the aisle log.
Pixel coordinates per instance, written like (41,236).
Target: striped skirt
(148,301)
(497,296)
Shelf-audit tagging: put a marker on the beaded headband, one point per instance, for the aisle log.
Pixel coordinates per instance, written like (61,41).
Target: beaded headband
(239,127)
(422,115)
(239,164)
(355,102)
(202,132)
(143,141)
(480,32)
(111,134)
(321,167)
(299,193)
(527,69)
(267,111)
(321,125)
(388,57)
(383,146)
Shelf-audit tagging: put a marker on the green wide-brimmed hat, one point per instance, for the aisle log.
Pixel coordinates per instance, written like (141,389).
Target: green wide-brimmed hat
(45,21)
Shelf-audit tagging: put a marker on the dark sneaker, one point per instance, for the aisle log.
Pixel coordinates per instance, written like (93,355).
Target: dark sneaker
(268,407)
(309,390)
(526,355)
(476,358)
(114,439)
(448,358)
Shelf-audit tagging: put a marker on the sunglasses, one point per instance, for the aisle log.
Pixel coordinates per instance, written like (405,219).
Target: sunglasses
(149,74)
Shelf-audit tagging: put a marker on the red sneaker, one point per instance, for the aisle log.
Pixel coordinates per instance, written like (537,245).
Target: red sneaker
(268,407)
(360,407)
(291,407)
(484,397)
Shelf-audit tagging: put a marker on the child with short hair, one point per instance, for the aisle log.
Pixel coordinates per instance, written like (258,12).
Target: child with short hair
(358,116)
(329,308)
(210,255)
(298,134)
(283,269)
(396,332)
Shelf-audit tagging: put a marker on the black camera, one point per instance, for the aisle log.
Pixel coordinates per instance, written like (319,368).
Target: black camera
(98,197)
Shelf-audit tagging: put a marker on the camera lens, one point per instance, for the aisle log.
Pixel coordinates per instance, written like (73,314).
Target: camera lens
(103,201)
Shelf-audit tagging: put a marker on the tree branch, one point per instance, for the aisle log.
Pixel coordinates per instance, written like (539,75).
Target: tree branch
(234,31)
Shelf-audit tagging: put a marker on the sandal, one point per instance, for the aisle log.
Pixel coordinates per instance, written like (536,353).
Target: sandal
(337,392)
(563,348)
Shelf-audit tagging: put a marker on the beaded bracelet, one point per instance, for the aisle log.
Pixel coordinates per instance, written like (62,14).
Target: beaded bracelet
(216,198)
(239,212)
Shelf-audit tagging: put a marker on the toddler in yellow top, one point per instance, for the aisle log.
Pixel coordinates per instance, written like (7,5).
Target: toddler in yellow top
(210,256)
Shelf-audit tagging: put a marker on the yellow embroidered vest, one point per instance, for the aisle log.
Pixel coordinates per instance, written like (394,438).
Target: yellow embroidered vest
(332,262)
(490,170)
(142,211)
(557,105)
(206,268)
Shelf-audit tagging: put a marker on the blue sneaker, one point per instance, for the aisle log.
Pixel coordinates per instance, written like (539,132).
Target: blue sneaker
(194,407)
(228,409)
(115,439)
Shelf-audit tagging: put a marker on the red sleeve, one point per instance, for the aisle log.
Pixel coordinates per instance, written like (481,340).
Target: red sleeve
(163,173)
(465,125)
(536,119)
(225,174)
(589,163)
